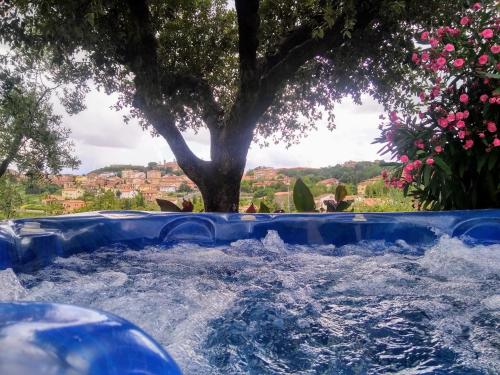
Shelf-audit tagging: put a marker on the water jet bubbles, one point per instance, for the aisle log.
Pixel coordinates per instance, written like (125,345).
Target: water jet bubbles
(264,306)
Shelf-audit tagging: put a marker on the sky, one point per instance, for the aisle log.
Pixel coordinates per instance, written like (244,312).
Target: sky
(102,138)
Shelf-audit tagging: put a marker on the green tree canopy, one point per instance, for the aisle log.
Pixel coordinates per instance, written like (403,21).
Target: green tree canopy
(31,134)
(264,70)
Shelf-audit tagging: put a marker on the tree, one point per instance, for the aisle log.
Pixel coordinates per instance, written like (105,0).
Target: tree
(31,135)
(10,198)
(264,69)
(184,188)
(449,142)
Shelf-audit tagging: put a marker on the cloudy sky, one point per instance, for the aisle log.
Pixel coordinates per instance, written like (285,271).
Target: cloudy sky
(102,138)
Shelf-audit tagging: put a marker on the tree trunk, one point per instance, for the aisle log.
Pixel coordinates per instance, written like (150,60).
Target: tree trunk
(11,154)
(221,193)
(219,180)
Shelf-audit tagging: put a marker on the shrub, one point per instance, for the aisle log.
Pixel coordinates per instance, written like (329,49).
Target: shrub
(448,143)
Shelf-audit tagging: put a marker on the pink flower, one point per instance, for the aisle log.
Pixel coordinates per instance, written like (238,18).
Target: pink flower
(460,124)
(459,116)
(449,47)
(434,42)
(492,100)
(483,59)
(443,122)
(429,161)
(491,126)
(441,61)
(487,33)
(476,6)
(409,167)
(404,158)
(464,21)
(464,98)
(483,98)
(458,63)
(495,48)
(451,117)
(414,58)
(417,163)
(438,149)
(424,35)
(481,135)
(466,114)
(498,100)
(496,142)
(425,56)
(468,144)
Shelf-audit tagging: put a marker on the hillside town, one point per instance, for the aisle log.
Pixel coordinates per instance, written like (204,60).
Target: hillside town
(125,184)
(138,187)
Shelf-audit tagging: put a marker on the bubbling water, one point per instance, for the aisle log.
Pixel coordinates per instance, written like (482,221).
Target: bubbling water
(265,307)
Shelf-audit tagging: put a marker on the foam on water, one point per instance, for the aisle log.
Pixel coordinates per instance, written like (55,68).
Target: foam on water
(265,307)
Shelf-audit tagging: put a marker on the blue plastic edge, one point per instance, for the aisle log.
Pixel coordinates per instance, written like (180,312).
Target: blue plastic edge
(67,339)
(34,242)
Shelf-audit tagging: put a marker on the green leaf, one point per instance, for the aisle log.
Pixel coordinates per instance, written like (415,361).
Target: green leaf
(481,162)
(340,193)
(167,206)
(461,170)
(493,160)
(427,175)
(492,75)
(302,197)
(90,19)
(263,209)
(344,205)
(442,165)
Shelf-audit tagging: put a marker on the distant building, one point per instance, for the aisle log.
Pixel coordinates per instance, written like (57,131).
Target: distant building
(329,182)
(60,180)
(168,188)
(127,194)
(52,199)
(72,193)
(107,174)
(141,175)
(264,173)
(128,173)
(72,205)
(170,165)
(80,180)
(153,174)
(263,183)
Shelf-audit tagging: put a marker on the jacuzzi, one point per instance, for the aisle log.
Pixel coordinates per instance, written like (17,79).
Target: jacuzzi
(50,338)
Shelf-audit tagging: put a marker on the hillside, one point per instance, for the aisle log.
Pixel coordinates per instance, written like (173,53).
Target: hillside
(348,173)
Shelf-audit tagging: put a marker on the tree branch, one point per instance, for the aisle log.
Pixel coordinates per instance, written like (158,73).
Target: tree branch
(295,50)
(248,25)
(141,57)
(192,91)
(11,154)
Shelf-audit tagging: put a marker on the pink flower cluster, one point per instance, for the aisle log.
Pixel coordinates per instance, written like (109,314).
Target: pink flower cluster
(461,104)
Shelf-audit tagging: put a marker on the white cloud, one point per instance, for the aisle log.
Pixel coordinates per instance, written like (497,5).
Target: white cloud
(101,138)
